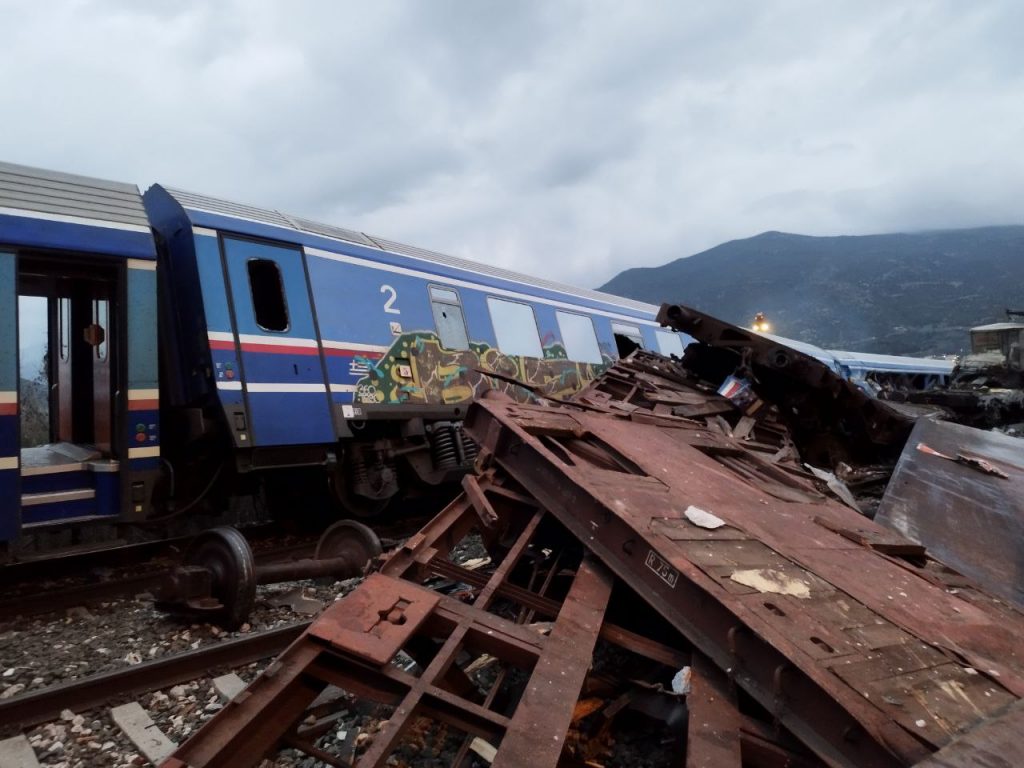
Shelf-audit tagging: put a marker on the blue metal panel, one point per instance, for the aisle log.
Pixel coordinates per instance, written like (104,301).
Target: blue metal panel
(290,418)
(211,278)
(57,481)
(257,229)
(42,513)
(282,371)
(142,329)
(35,232)
(239,253)
(8,328)
(10,514)
(9,451)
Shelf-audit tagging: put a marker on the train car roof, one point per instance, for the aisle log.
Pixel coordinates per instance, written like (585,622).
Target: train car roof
(48,209)
(893,362)
(194,202)
(998,327)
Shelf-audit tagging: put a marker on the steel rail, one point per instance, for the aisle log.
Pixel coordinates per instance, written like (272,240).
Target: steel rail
(97,690)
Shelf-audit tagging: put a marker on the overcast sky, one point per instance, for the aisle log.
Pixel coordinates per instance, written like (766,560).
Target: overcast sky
(565,139)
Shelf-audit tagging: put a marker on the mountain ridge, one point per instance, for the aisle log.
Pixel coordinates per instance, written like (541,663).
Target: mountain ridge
(911,293)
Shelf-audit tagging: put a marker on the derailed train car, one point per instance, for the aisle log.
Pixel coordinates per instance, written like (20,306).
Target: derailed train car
(178,357)
(173,361)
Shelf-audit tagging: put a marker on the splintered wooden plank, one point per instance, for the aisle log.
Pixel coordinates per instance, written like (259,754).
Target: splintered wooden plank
(713,731)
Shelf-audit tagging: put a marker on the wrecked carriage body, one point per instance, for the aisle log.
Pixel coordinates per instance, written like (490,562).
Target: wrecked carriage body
(986,388)
(195,361)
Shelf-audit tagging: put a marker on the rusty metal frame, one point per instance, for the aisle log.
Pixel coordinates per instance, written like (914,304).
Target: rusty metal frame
(352,644)
(615,514)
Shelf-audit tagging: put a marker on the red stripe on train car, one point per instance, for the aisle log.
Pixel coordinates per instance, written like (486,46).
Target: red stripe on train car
(8,409)
(220,344)
(143,405)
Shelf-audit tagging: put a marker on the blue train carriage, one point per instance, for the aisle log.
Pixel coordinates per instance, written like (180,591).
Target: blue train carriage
(79,417)
(322,347)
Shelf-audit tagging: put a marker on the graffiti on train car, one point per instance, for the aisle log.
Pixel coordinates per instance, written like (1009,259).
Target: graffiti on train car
(417,369)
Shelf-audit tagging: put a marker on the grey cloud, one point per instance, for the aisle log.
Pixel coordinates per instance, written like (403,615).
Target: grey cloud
(572,139)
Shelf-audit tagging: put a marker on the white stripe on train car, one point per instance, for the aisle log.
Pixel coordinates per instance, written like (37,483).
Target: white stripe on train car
(149,452)
(149,265)
(283,387)
(232,386)
(204,232)
(143,394)
(6,398)
(220,336)
(446,280)
(9,462)
(343,387)
(84,221)
(355,346)
(275,341)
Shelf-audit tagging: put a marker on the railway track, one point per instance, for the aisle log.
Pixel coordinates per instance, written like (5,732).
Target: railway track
(94,691)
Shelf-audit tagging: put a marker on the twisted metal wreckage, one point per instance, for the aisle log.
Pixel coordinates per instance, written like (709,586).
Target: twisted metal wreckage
(662,553)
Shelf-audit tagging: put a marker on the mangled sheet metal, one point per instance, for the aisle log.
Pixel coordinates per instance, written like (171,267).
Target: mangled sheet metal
(464,665)
(867,657)
(829,417)
(959,491)
(796,630)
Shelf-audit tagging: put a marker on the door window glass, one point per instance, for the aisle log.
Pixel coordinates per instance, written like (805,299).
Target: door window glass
(578,337)
(268,302)
(515,328)
(448,318)
(34,387)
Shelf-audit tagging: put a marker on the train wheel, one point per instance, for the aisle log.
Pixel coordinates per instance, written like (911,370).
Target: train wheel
(351,540)
(225,553)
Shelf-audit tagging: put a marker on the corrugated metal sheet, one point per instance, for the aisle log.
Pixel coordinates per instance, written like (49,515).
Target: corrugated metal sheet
(338,233)
(64,194)
(276,218)
(227,208)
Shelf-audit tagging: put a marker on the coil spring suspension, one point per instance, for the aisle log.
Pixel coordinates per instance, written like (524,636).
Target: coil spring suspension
(443,445)
(450,447)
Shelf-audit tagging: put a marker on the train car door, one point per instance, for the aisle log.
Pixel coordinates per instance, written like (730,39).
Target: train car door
(282,360)
(67,342)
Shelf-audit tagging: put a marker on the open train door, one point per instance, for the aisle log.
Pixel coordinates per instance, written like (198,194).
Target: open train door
(281,358)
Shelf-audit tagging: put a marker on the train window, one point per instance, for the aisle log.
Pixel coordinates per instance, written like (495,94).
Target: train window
(448,318)
(101,318)
(578,337)
(627,338)
(267,288)
(669,343)
(515,327)
(64,328)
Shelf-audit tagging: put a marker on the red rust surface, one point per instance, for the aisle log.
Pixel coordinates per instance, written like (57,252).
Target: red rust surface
(799,612)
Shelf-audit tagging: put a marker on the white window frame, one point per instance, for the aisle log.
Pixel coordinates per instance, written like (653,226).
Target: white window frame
(510,348)
(595,356)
